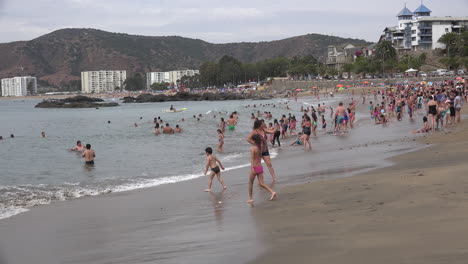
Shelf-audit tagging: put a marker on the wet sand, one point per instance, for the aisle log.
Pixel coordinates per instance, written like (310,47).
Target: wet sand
(412,212)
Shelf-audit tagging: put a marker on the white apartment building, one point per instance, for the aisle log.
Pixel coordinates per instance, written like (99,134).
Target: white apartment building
(18,86)
(419,31)
(102,81)
(169,77)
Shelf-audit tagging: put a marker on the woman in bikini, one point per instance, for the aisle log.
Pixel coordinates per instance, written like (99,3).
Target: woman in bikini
(260,129)
(306,129)
(432,110)
(256,168)
(220,140)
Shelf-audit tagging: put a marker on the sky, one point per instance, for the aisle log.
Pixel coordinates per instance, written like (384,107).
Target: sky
(216,21)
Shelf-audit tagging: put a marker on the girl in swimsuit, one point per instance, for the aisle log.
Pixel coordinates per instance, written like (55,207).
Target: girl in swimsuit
(260,129)
(292,126)
(222,125)
(276,136)
(314,124)
(256,168)
(220,140)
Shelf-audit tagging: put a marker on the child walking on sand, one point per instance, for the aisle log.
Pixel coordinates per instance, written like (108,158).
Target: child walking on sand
(212,163)
(256,168)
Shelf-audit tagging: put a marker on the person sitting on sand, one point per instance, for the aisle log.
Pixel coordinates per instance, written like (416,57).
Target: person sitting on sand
(78,147)
(167,129)
(212,163)
(89,155)
(426,127)
(256,168)
(298,141)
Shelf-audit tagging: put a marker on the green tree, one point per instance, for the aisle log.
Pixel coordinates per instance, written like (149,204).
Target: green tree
(348,67)
(30,88)
(450,41)
(159,86)
(134,83)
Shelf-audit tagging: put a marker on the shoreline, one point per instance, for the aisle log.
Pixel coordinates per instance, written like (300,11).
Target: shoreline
(413,211)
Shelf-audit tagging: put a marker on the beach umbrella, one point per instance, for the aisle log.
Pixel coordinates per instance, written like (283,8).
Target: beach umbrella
(405,81)
(339,85)
(315,87)
(429,83)
(458,78)
(341,89)
(348,86)
(365,82)
(298,90)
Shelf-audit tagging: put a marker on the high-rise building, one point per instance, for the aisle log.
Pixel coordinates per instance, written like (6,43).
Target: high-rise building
(156,77)
(169,77)
(19,86)
(419,31)
(102,81)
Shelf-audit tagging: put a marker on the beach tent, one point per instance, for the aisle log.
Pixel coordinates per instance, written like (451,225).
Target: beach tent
(411,70)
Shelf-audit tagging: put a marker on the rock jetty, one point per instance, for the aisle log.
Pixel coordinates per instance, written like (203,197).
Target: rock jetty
(184,96)
(75,102)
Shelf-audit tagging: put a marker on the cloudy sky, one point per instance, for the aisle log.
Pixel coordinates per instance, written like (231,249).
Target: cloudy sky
(218,21)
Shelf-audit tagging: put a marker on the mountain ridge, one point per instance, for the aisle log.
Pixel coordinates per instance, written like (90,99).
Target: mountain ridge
(59,56)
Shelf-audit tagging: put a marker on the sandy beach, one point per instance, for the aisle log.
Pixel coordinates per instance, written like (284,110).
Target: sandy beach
(412,212)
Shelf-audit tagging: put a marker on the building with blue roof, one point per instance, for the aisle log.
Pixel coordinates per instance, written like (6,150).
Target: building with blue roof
(418,30)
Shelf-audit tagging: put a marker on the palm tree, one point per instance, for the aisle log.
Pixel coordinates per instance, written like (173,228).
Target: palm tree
(385,51)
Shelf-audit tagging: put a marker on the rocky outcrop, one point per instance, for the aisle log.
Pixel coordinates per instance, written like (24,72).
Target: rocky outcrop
(184,96)
(75,102)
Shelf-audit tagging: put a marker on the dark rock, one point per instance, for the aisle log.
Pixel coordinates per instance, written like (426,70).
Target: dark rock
(75,102)
(185,96)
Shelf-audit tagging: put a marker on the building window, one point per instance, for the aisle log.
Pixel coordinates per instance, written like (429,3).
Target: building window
(413,39)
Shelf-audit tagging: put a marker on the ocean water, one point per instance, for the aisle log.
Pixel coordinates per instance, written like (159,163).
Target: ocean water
(36,171)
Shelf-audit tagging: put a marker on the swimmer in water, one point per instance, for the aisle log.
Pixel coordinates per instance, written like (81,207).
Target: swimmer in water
(43,134)
(156,129)
(220,140)
(167,129)
(89,155)
(256,168)
(178,129)
(231,122)
(78,147)
(212,163)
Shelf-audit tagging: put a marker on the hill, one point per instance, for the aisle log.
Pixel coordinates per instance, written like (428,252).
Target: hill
(60,56)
